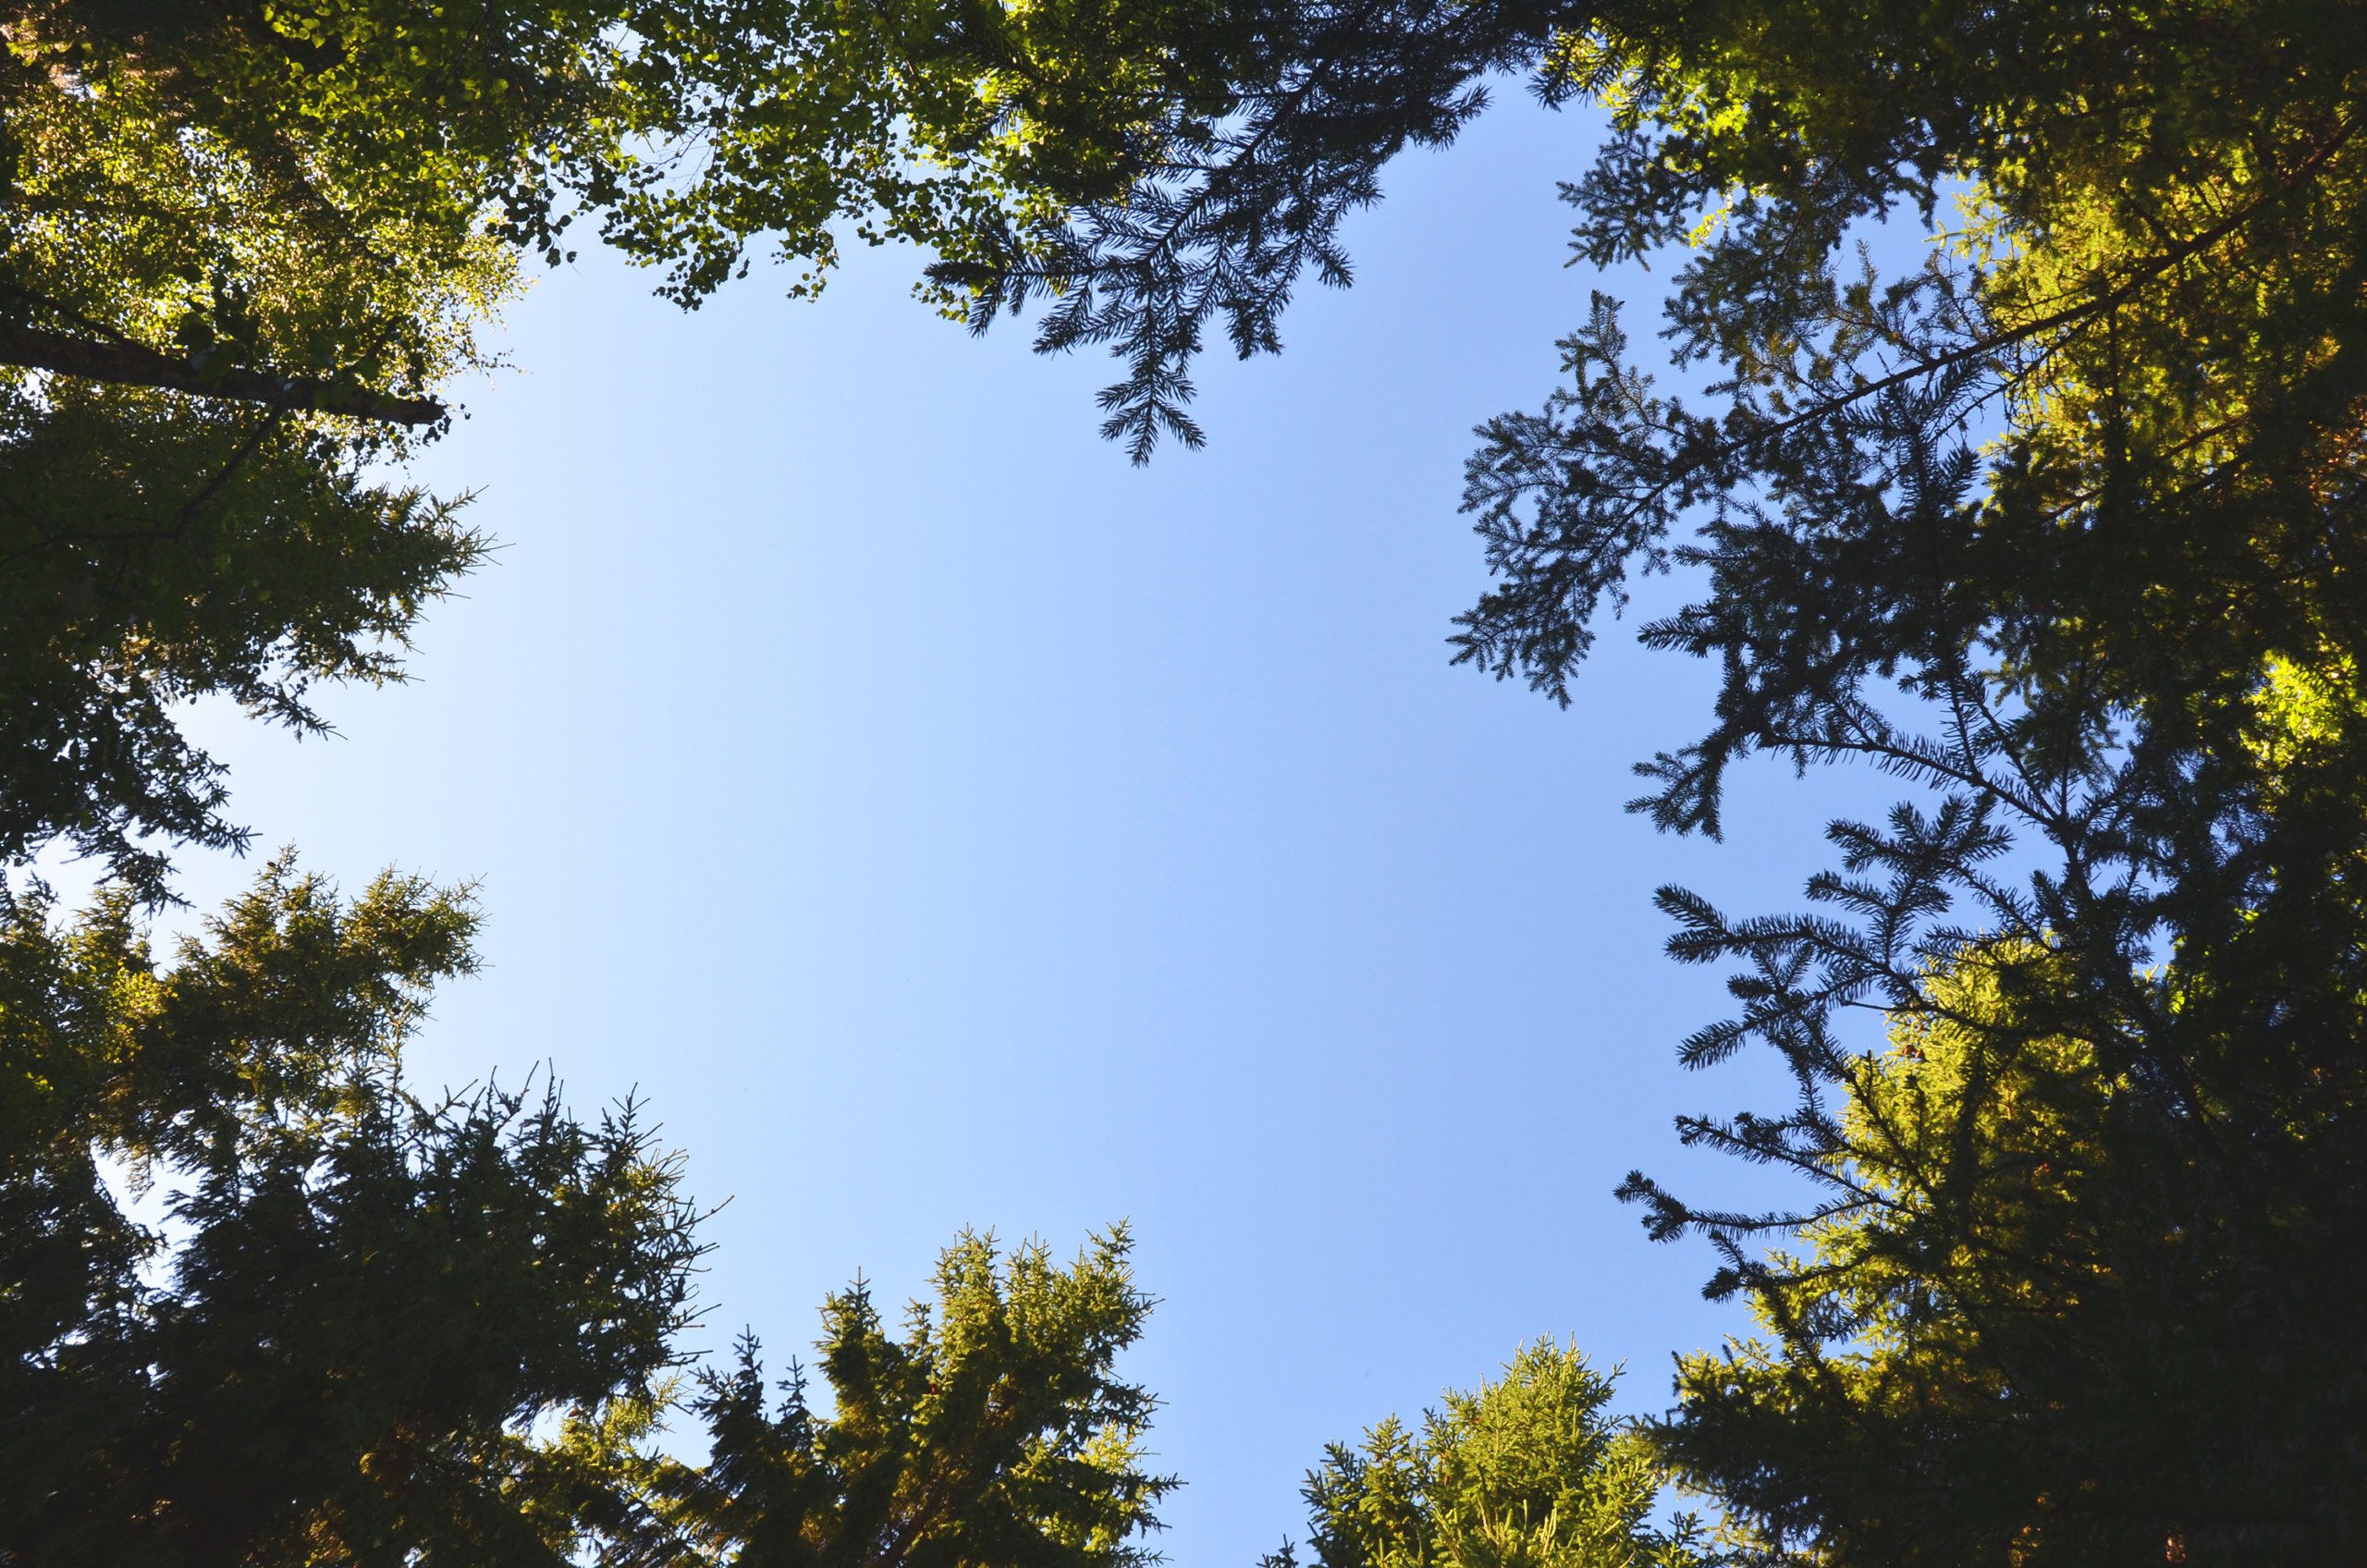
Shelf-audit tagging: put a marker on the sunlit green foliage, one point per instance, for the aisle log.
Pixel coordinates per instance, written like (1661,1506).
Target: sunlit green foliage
(1528,1471)
(287,206)
(2013,1335)
(251,277)
(277,233)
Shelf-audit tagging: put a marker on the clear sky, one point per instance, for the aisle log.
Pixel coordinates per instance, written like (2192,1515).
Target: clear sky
(943,822)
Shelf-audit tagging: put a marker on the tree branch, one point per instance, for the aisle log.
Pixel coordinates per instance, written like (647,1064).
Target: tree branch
(2135,280)
(134,364)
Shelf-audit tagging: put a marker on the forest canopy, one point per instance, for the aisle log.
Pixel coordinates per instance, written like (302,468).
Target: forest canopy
(2057,528)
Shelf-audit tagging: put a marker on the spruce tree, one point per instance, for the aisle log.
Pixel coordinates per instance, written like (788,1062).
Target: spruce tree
(266,1305)
(334,1342)
(1527,1471)
(2056,526)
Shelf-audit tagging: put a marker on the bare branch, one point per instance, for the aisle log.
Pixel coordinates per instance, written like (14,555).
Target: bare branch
(133,365)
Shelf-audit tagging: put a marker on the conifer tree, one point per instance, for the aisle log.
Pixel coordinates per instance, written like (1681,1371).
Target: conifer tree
(334,1342)
(371,1326)
(1527,1470)
(2057,526)
(994,1432)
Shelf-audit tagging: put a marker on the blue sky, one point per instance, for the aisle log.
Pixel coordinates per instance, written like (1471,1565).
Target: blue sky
(942,823)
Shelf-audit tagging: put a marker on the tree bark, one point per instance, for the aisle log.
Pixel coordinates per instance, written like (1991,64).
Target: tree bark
(134,364)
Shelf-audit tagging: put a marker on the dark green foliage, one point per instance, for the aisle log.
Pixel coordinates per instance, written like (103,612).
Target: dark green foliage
(993,1435)
(334,1348)
(2060,527)
(2063,526)
(1248,191)
(155,552)
(242,251)
(373,1328)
